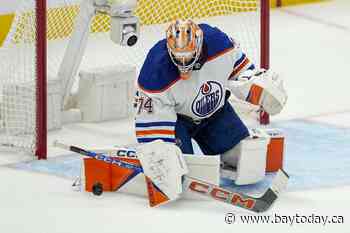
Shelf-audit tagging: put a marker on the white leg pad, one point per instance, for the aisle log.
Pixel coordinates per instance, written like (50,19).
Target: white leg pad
(249,156)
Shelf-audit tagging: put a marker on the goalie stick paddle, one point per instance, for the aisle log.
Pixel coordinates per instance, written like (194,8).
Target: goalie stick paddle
(255,204)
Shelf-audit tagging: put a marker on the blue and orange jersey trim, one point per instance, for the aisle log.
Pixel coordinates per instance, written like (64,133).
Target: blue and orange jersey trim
(242,64)
(151,131)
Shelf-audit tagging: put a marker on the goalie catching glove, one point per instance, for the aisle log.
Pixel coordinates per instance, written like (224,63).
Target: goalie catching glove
(164,164)
(263,87)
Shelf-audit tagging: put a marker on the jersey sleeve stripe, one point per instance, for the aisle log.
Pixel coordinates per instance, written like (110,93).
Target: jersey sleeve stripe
(155,128)
(145,140)
(157,136)
(245,65)
(239,61)
(235,73)
(241,65)
(152,132)
(152,124)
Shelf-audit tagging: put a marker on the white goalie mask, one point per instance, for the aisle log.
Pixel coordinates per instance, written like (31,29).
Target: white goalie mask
(184,42)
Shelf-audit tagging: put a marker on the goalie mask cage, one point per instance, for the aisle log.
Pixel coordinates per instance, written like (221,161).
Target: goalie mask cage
(34,48)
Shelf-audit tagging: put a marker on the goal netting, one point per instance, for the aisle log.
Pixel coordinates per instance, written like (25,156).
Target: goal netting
(19,61)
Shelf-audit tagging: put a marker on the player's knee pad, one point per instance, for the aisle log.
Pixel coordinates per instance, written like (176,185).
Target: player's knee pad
(246,162)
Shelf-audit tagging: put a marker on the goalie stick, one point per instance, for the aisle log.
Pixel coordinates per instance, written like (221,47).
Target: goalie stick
(255,204)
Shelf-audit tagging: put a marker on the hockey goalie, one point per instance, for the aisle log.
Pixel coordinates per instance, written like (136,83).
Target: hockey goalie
(183,93)
(183,96)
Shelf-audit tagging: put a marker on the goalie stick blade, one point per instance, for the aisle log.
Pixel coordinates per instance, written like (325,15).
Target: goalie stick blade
(280,181)
(237,199)
(278,185)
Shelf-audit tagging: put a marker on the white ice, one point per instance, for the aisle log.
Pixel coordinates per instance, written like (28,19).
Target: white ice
(310,48)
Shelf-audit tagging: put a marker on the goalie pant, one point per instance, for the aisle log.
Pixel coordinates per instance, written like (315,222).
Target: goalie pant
(214,135)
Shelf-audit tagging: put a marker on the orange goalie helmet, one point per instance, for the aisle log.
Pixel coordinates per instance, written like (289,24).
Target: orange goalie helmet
(184,42)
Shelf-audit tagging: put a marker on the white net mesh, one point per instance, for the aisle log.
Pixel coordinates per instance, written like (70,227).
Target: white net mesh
(238,18)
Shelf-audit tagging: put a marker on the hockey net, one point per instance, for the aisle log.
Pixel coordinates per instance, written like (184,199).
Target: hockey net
(20,66)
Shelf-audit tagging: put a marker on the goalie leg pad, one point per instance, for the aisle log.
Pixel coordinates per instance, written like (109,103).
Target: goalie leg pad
(111,177)
(249,158)
(114,178)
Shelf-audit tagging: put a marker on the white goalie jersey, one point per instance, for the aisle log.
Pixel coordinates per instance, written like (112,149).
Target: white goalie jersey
(162,94)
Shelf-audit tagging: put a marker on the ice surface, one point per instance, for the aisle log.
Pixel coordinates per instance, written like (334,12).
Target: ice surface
(310,48)
(39,203)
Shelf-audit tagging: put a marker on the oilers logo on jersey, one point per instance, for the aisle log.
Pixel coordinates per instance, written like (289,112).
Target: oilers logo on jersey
(208,99)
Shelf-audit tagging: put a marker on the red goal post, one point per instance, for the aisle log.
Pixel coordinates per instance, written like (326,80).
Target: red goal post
(265,46)
(250,23)
(41,71)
